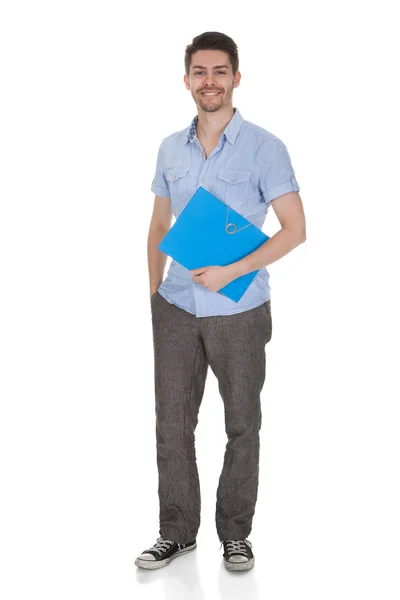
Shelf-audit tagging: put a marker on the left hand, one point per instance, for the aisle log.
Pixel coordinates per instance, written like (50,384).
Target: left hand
(213,278)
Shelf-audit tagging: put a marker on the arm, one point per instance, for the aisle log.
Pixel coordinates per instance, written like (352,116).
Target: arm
(289,210)
(160,224)
(279,186)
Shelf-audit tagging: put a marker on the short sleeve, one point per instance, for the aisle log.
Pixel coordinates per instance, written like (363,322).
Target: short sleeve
(277,176)
(159,185)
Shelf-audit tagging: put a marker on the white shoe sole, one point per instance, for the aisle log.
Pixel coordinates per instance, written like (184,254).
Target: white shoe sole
(242,566)
(158,564)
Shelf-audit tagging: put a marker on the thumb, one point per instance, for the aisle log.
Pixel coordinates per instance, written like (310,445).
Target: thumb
(199,270)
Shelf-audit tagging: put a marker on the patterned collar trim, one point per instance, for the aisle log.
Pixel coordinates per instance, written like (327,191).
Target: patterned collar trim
(231,130)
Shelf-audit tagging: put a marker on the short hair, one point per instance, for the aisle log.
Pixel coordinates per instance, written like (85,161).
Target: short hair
(213,40)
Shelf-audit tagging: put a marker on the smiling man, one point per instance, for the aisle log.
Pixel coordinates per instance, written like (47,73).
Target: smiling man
(195,326)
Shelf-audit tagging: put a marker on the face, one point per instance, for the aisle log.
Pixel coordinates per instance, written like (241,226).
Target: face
(211,70)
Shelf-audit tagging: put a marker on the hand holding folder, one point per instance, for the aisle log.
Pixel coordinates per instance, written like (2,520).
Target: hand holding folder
(209,232)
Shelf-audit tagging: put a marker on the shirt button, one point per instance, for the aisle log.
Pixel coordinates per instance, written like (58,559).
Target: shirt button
(232,179)
(174,176)
(203,179)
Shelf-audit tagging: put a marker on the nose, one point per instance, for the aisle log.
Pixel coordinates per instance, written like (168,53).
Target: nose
(210,82)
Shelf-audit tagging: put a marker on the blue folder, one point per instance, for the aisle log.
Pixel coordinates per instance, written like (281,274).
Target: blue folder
(209,232)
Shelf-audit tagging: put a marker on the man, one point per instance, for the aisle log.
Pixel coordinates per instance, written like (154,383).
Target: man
(194,326)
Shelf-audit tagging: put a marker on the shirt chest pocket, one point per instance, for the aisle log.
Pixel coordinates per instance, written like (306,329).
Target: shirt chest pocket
(177,178)
(233,188)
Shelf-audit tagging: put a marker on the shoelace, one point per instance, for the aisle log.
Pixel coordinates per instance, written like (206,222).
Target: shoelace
(161,545)
(236,546)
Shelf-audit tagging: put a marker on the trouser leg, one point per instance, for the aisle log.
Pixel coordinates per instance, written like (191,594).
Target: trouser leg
(235,347)
(180,371)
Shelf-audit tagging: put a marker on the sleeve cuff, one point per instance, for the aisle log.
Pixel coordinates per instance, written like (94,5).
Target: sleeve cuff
(160,191)
(279,190)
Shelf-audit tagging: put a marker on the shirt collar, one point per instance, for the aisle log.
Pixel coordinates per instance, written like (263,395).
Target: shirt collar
(231,130)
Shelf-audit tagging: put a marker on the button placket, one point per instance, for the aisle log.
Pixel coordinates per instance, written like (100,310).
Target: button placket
(203,172)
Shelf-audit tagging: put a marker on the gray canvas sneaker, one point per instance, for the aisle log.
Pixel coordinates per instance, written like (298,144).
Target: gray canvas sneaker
(238,555)
(162,553)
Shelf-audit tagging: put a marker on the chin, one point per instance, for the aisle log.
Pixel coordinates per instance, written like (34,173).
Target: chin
(210,107)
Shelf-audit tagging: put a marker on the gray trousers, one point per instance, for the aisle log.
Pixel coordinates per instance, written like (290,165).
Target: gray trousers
(184,346)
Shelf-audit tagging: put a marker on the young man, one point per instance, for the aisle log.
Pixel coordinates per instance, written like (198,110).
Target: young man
(194,326)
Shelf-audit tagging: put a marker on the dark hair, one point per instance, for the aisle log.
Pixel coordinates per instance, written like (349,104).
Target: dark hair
(213,40)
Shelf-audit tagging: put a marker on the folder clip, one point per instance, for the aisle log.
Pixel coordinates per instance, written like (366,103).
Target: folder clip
(233,224)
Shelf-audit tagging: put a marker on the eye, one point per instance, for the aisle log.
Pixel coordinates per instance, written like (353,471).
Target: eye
(198,72)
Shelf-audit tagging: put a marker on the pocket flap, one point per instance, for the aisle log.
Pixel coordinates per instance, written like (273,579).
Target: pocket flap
(175,173)
(234,177)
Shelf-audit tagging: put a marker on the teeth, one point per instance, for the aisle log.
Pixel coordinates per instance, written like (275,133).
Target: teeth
(210,93)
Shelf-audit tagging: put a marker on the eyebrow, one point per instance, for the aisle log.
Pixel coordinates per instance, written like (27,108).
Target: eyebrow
(217,67)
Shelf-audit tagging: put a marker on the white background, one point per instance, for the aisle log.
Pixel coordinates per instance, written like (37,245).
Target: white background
(89,89)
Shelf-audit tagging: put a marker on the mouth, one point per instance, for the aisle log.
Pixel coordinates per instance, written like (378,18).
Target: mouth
(210,94)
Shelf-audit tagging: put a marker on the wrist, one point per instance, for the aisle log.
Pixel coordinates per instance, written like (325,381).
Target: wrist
(235,269)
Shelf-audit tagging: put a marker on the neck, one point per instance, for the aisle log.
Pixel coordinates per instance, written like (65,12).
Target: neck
(211,125)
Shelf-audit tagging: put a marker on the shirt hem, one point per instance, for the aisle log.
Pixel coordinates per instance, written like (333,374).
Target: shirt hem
(168,299)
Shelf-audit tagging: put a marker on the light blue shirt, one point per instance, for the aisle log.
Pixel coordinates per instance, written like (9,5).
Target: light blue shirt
(247,169)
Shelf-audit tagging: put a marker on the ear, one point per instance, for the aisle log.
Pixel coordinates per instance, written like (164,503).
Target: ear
(236,79)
